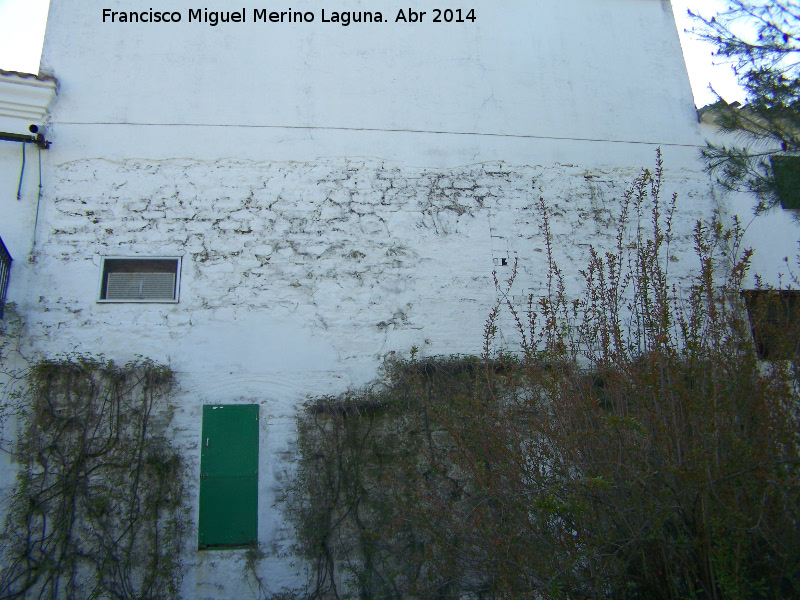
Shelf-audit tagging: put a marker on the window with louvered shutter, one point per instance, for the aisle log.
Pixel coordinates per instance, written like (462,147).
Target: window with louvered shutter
(128,279)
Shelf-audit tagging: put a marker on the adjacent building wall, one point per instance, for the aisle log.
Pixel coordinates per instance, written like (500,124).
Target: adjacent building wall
(24,100)
(773,234)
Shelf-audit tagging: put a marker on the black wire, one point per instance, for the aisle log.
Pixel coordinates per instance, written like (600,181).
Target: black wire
(21,173)
(38,200)
(385,130)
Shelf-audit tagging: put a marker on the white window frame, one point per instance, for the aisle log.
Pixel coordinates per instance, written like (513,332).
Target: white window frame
(178,261)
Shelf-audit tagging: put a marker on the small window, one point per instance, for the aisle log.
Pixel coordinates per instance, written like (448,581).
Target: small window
(140,279)
(775,322)
(5,268)
(787,180)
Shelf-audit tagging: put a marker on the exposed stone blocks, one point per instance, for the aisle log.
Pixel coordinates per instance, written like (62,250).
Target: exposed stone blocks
(256,235)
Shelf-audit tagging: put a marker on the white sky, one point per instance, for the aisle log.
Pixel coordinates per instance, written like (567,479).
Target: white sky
(699,61)
(22,25)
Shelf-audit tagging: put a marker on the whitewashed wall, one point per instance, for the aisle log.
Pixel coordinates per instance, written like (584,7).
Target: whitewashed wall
(299,279)
(23,101)
(338,194)
(533,79)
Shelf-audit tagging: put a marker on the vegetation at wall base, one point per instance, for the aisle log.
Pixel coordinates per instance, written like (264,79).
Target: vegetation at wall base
(761,38)
(97,511)
(632,447)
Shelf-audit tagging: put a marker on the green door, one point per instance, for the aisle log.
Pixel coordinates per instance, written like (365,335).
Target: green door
(229,476)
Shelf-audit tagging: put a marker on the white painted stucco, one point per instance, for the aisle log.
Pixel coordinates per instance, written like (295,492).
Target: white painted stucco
(337,194)
(533,80)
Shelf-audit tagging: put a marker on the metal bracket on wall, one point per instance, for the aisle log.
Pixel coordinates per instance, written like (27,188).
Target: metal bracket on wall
(36,137)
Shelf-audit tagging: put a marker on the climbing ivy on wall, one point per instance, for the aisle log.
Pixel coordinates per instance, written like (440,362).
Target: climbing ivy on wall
(97,511)
(388,486)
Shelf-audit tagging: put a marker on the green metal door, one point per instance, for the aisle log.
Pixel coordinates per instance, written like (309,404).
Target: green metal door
(229,476)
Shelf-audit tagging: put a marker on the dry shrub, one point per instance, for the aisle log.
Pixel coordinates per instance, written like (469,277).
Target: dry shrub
(633,446)
(97,511)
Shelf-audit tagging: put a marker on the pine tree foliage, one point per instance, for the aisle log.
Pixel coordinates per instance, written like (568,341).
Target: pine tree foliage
(761,39)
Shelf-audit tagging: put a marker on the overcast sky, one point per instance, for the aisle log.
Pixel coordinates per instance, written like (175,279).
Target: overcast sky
(699,62)
(22,25)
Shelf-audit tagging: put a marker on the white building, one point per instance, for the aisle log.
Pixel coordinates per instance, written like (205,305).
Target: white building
(326,194)
(24,100)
